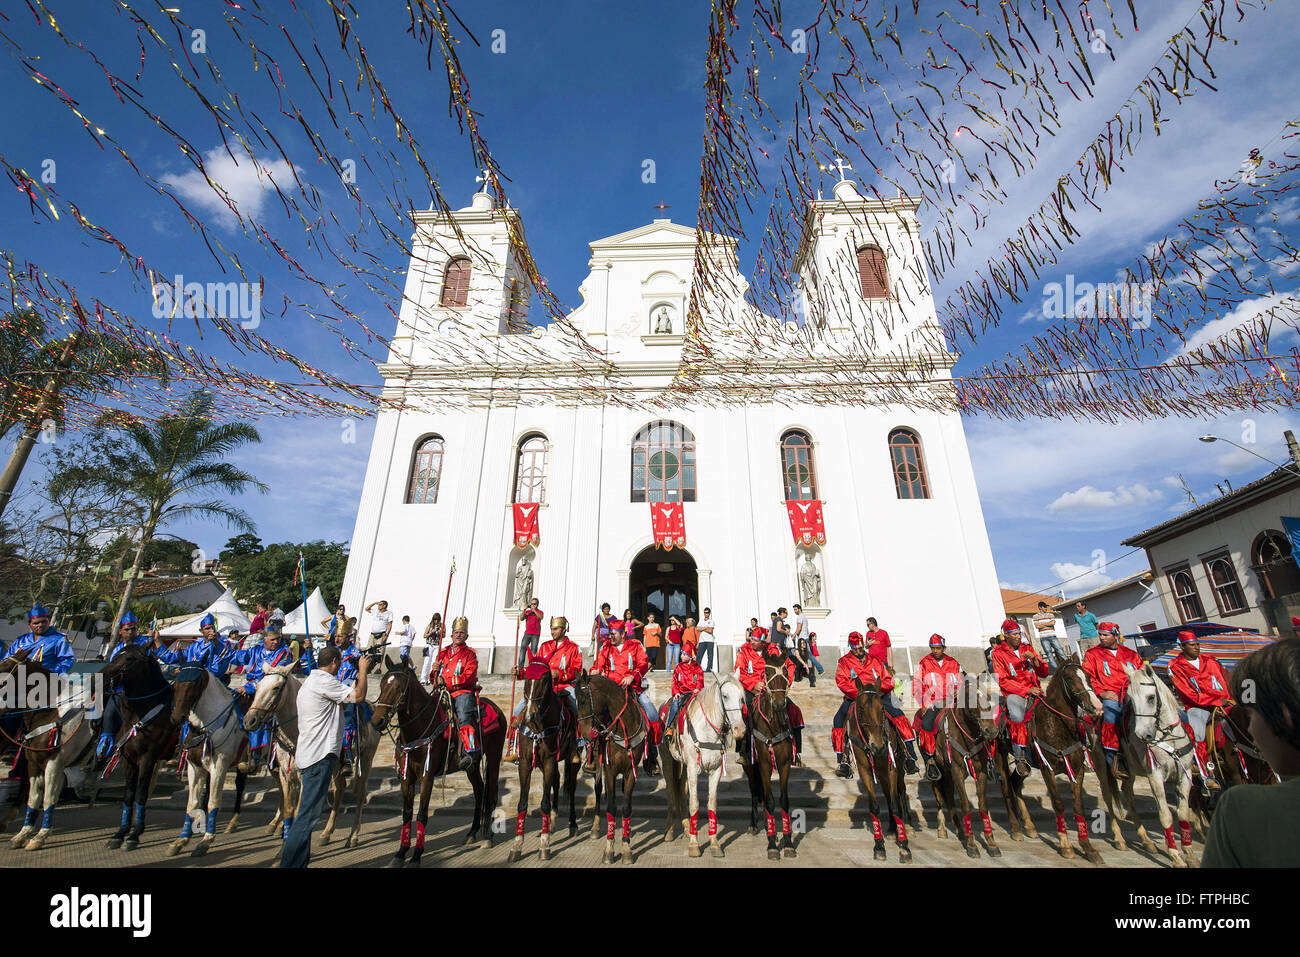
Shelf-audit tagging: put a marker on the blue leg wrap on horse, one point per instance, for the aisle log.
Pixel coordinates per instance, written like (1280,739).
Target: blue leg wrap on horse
(126,814)
(30,819)
(212,822)
(139,815)
(47,819)
(187,829)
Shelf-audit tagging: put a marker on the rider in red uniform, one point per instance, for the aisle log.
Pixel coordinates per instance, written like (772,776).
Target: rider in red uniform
(934,687)
(1106,664)
(1018,669)
(856,666)
(623,661)
(688,678)
(1201,686)
(457,670)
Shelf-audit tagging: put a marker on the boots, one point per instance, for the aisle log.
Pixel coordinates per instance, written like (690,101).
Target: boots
(909,763)
(843,769)
(932,772)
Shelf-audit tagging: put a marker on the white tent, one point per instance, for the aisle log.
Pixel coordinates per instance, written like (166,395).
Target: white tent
(317,611)
(225,609)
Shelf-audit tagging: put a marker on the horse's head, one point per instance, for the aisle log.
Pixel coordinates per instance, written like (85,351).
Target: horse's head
(1144,703)
(979,704)
(10,665)
(1078,691)
(131,662)
(870,706)
(190,683)
(731,696)
(589,708)
(394,688)
(775,676)
(267,697)
(538,691)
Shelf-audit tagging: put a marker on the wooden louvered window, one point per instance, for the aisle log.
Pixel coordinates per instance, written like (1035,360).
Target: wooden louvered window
(797,473)
(455,282)
(909,466)
(872,277)
(530,469)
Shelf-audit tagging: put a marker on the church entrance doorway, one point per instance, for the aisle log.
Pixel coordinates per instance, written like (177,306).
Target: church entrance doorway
(665,583)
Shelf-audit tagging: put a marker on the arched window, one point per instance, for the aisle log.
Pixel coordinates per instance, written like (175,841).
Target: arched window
(1223,582)
(872,277)
(1185,596)
(455,282)
(1272,563)
(663,463)
(909,466)
(426,472)
(530,468)
(797,472)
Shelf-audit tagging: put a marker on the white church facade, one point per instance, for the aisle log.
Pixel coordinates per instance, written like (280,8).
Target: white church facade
(905,539)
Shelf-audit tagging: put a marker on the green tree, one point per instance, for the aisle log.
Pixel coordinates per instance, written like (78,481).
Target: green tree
(163,465)
(241,545)
(270,573)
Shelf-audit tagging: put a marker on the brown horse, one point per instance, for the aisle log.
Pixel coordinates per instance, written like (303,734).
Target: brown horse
(612,722)
(547,735)
(146,702)
(878,751)
(1232,758)
(1055,739)
(426,745)
(965,739)
(768,746)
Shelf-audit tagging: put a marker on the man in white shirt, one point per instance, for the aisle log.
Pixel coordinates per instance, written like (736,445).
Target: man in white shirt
(1049,636)
(704,653)
(381,623)
(321,701)
(405,638)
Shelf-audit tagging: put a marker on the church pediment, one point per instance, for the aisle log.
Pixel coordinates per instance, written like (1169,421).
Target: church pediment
(661,232)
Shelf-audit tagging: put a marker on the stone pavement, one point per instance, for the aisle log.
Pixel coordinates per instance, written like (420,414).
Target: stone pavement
(837,833)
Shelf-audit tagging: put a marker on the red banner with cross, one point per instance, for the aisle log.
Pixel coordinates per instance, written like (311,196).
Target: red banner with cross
(806,523)
(668,522)
(526,524)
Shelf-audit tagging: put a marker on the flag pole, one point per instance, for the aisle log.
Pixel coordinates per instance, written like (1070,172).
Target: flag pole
(306,617)
(446,602)
(514,675)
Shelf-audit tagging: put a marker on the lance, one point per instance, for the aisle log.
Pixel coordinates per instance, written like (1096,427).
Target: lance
(514,675)
(446,602)
(306,618)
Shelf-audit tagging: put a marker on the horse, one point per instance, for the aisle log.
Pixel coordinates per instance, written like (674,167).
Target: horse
(615,728)
(426,744)
(708,719)
(877,748)
(151,737)
(965,738)
(770,745)
(1055,736)
(53,739)
(275,700)
(547,736)
(219,739)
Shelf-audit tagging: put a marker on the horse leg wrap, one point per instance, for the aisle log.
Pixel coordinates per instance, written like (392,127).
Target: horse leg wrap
(965,823)
(211,826)
(546,823)
(713,823)
(785,823)
(901,829)
(1060,824)
(609,827)
(771,826)
(694,824)
(627,829)
(139,815)
(187,829)
(1186,828)
(406,835)
(876,832)
(1170,842)
(1081,825)
(30,818)
(519,823)
(126,814)
(419,836)
(988,823)
(47,819)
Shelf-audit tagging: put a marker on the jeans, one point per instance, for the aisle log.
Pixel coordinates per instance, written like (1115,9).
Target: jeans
(466,713)
(1199,719)
(315,786)
(1110,711)
(648,706)
(674,655)
(529,642)
(816,663)
(704,655)
(1053,651)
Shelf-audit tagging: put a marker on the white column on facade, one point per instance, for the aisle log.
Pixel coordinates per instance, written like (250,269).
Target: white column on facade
(380,469)
(466,465)
(583,518)
(705,587)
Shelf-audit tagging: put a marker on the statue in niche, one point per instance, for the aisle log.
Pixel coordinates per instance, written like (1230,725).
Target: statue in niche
(663,321)
(523,583)
(810,583)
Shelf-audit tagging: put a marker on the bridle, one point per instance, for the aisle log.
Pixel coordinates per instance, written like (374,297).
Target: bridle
(395,707)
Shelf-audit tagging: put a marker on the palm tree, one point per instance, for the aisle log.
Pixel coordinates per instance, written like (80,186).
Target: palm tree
(162,465)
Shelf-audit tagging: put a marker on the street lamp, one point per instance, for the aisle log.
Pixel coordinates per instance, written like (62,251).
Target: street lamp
(1218,438)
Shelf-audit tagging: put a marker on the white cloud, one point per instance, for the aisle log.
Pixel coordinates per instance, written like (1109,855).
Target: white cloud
(246,183)
(1245,313)
(1077,579)
(1089,497)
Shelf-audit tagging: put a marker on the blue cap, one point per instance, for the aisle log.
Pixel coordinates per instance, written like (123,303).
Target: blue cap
(38,611)
(207,620)
(129,619)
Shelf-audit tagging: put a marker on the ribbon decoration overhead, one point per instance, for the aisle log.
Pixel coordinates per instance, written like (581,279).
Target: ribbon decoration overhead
(668,522)
(526,524)
(806,522)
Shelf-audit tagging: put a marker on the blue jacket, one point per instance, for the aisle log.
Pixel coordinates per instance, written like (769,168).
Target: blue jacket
(259,658)
(218,664)
(139,640)
(350,667)
(51,650)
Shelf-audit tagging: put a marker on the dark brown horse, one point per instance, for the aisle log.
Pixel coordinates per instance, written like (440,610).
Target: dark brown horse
(768,746)
(878,751)
(548,735)
(965,739)
(425,749)
(612,722)
(146,702)
(1232,759)
(1058,744)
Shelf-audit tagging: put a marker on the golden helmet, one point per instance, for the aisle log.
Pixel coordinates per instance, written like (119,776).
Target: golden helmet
(460,624)
(561,621)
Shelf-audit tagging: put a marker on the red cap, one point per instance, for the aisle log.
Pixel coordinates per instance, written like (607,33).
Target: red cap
(688,648)
(616,624)
(937,640)
(1185,636)
(1295,622)
(1109,627)
(855,639)
(1009,625)
(759,632)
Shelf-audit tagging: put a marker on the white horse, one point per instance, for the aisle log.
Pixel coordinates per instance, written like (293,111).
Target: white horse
(214,745)
(712,725)
(52,740)
(364,747)
(1156,746)
(276,699)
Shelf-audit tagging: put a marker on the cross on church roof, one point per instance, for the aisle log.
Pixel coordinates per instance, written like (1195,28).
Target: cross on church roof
(662,206)
(483,179)
(839,164)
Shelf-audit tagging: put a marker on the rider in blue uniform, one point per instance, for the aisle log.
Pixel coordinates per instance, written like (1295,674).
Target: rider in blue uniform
(128,633)
(348,670)
(217,649)
(44,645)
(271,653)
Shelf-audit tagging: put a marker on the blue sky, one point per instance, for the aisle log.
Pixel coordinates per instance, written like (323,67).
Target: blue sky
(580,98)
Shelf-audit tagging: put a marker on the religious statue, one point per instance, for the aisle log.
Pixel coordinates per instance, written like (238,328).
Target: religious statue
(663,321)
(523,583)
(810,583)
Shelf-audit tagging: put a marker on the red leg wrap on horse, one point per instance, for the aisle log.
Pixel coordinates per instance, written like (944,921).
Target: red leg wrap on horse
(1019,732)
(771,826)
(546,824)
(609,828)
(904,727)
(1081,826)
(713,823)
(901,828)
(965,823)
(926,740)
(1186,828)
(419,835)
(785,823)
(627,829)
(694,824)
(1169,838)
(876,832)
(519,823)
(988,822)
(406,834)
(1060,824)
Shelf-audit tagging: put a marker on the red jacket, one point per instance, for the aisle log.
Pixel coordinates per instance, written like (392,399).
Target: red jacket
(867,669)
(688,676)
(458,668)
(936,682)
(565,660)
(1105,669)
(1017,673)
(1203,687)
(616,662)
